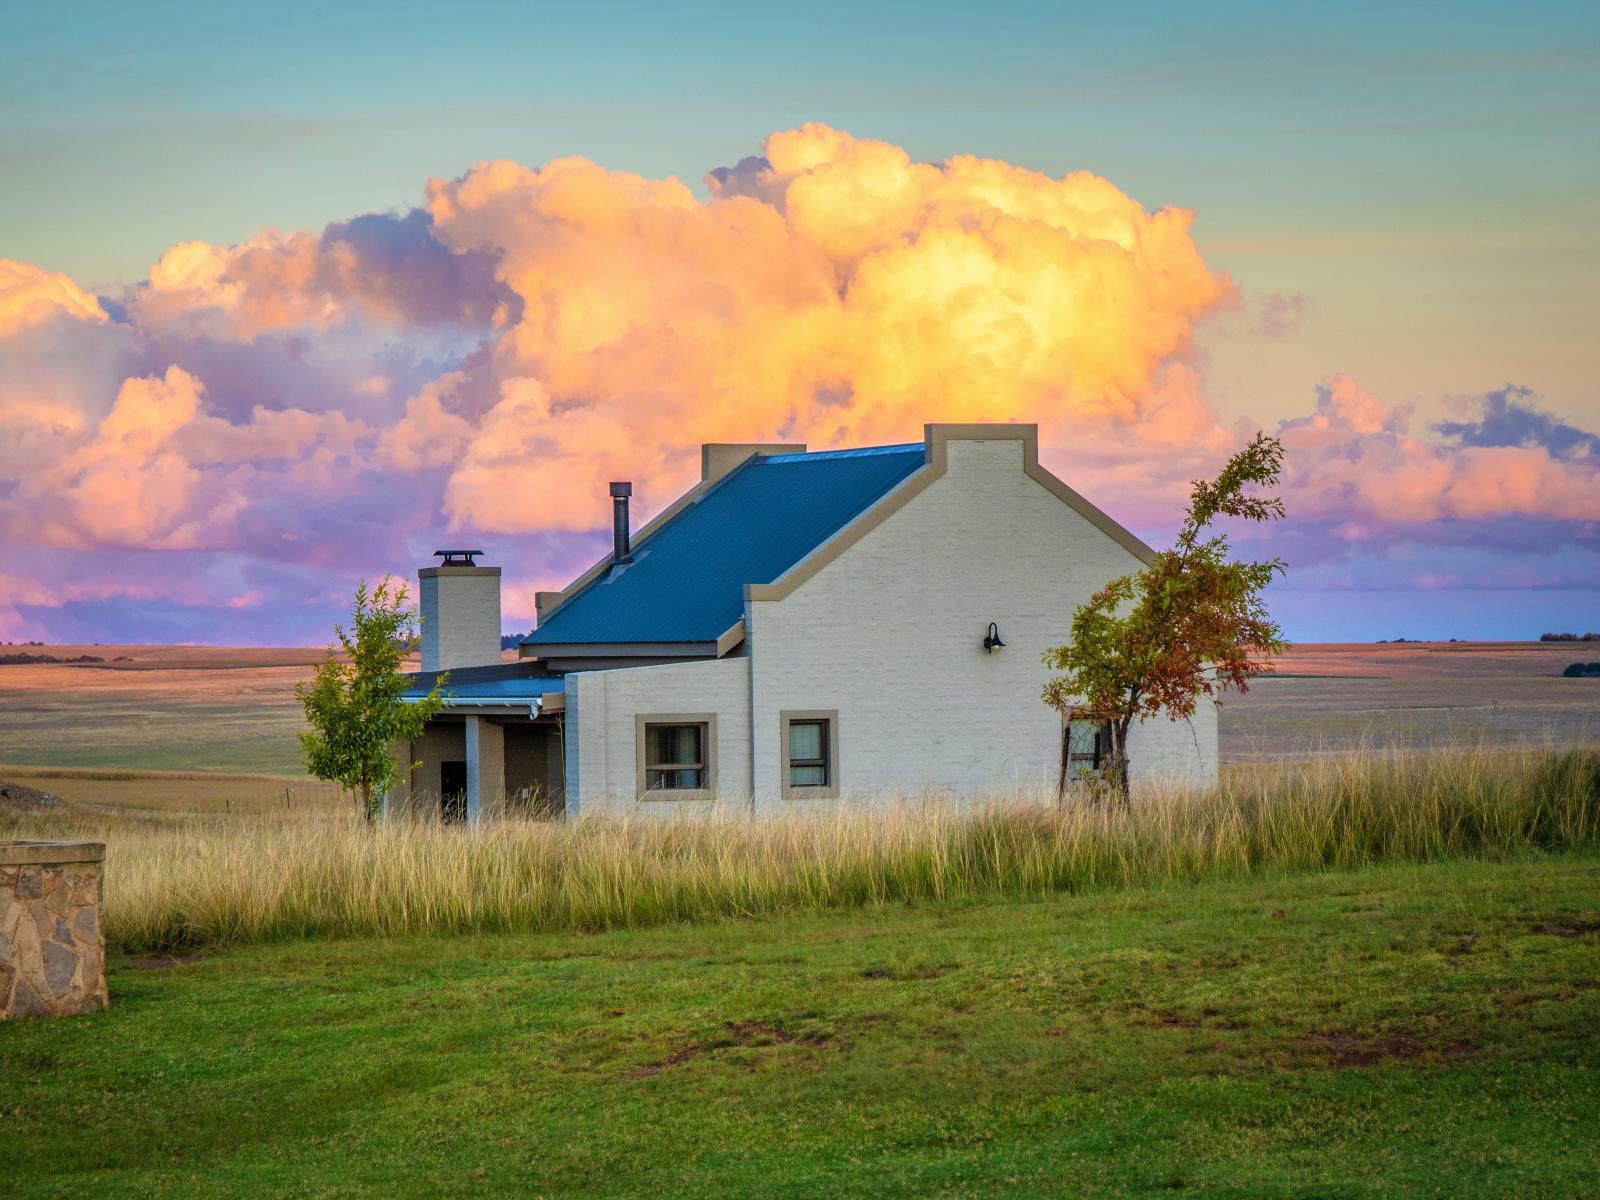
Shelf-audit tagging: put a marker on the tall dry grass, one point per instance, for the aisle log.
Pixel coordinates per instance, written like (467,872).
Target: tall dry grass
(173,884)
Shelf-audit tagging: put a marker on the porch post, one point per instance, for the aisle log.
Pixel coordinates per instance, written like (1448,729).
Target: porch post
(486,767)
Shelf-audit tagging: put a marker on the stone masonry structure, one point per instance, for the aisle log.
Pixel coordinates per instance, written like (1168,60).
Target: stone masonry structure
(52,946)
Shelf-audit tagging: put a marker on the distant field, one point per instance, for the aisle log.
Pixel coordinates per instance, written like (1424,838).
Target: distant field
(232,710)
(1433,695)
(174,708)
(93,793)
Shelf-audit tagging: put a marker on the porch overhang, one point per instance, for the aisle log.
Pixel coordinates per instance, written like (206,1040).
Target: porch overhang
(532,707)
(505,689)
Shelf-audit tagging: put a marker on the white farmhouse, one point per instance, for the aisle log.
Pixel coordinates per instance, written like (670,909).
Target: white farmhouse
(799,629)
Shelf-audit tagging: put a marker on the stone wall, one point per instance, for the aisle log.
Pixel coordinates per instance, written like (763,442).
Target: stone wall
(52,947)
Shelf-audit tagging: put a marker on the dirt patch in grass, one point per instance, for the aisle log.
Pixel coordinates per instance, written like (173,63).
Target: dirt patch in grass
(1347,1049)
(1172,1020)
(1211,1018)
(163,962)
(907,974)
(1584,925)
(735,1035)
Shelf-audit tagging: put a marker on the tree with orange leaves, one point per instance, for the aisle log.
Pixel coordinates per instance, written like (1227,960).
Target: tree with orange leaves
(1191,624)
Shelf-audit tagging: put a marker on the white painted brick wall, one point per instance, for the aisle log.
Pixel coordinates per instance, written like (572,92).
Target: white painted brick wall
(607,703)
(460,617)
(890,634)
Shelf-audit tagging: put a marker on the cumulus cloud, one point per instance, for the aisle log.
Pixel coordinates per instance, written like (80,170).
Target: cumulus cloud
(1376,506)
(1356,458)
(386,268)
(302,408)
(30,295)
(832,290)
(1511,417)
(128,485)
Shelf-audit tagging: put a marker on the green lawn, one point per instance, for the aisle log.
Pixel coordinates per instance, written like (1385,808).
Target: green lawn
(1421,1031)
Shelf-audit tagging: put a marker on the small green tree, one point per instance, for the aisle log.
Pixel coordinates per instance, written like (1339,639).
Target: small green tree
(1191,624)
(353,702)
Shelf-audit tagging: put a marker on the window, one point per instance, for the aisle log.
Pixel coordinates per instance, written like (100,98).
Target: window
(810,747)
(1088,747)
(808,754)
(676,755)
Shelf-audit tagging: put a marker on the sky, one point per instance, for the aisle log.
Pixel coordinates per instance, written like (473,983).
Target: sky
(292,296)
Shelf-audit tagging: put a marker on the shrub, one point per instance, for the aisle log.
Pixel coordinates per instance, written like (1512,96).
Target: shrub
(1580,670)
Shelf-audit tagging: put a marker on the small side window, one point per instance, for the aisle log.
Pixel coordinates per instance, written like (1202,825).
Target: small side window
(808,754)
(1088,748)
(676,756)
(810,749)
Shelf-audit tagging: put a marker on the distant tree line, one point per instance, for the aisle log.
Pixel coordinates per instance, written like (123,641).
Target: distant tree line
(25,659)
(1569,637)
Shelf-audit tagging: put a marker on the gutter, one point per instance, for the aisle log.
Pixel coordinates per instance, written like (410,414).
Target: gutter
(537,705)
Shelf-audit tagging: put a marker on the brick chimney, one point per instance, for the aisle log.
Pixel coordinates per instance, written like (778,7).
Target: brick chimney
(460,612)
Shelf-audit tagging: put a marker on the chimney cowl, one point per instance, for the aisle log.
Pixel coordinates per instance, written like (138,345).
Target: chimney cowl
(621,552)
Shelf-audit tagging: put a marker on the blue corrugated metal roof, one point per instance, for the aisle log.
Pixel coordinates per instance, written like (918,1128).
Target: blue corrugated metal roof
(503,681)
(686,583)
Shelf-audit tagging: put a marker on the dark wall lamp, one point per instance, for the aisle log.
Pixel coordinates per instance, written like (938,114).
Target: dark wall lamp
(991,640)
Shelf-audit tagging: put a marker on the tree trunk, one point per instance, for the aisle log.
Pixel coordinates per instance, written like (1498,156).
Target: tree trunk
(1066,763)
(1117,765)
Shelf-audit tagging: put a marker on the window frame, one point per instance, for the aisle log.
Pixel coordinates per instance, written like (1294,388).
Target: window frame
(708,749)
(809,791)
(1096,759)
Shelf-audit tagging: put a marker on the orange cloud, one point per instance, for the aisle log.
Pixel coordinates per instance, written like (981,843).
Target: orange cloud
(30,295)
(269,282)
(428,434)
(127,486)
(841,294)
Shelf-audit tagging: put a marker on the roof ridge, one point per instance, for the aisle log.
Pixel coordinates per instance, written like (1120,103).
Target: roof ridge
(854,452)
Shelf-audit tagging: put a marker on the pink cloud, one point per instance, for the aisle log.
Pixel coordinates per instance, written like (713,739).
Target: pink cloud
(1355,457)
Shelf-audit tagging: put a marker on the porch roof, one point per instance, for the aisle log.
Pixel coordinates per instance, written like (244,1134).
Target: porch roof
(501,683)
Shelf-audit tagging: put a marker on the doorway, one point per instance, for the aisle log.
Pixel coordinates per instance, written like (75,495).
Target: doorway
(453,791)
